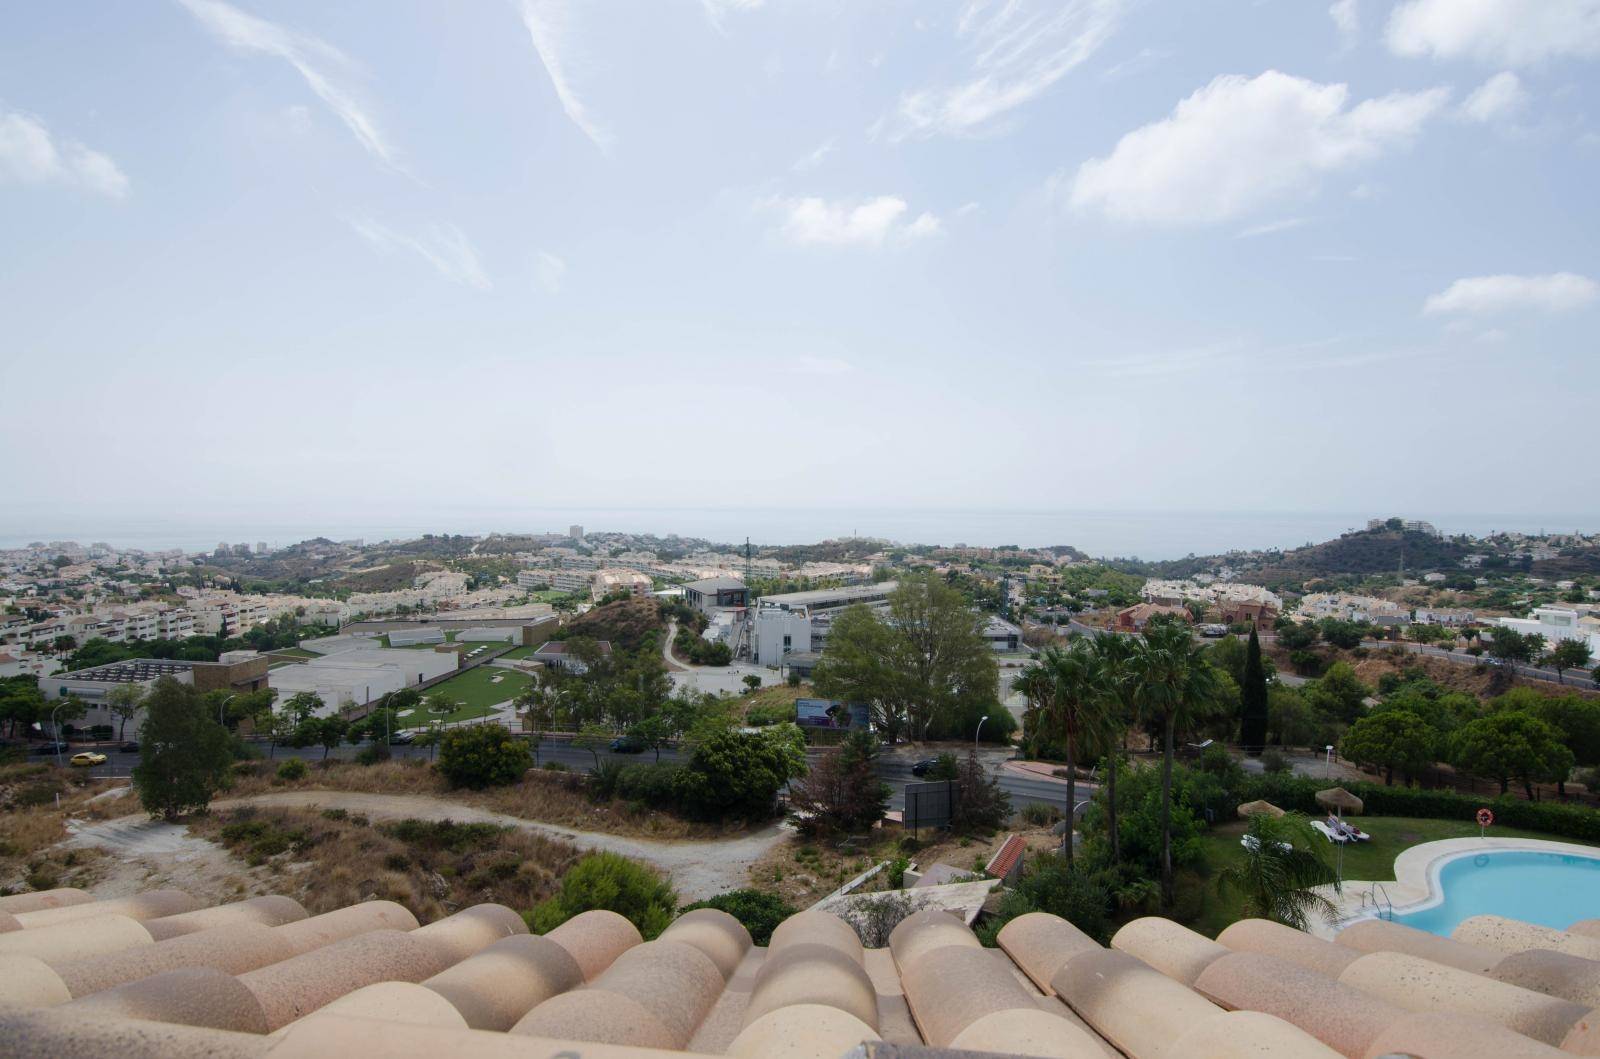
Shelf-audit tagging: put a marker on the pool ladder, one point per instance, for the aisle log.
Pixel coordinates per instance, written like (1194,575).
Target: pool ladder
(1380,901)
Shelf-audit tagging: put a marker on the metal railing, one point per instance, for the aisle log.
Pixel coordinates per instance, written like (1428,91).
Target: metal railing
(1381,905)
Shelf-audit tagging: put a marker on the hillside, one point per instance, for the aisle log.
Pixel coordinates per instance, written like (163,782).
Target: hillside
(625,622)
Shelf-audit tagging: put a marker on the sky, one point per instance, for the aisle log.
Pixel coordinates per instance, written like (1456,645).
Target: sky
(379,260)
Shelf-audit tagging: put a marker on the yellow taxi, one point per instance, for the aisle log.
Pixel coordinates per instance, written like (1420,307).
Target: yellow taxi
(88,759)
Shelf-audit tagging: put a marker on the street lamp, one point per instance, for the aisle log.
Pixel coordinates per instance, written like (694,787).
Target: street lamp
(223,705)
(976,735)
(56,728)
(1327,769)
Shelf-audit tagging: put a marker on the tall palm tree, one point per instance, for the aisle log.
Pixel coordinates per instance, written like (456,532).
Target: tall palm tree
(1175,684)
(1116,656)
(1037,684)
(1280,866)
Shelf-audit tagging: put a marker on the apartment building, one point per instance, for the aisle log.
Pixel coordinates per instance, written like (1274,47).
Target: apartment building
(607,582)
(1347,607)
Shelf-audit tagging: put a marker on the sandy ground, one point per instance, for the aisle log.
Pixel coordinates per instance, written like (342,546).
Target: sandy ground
(698,869)
(145,854)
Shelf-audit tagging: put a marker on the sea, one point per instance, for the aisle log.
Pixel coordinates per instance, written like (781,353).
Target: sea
(1127,534)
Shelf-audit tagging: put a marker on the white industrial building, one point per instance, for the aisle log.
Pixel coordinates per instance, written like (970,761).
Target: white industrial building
(411,637)
(359,675)
(800,621)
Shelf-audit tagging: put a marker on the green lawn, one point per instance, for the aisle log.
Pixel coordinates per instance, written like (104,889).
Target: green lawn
(519,652)
(476,692)
(293,652)
(1372,860)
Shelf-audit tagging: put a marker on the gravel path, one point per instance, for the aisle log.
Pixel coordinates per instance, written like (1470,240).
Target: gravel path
(698,868)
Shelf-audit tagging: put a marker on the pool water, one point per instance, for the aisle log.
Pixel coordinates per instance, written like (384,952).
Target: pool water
(1550,889)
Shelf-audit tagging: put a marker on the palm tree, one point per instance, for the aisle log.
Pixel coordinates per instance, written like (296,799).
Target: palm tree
(1280,866)
(1175,684)
(1116,657)
(1079,709)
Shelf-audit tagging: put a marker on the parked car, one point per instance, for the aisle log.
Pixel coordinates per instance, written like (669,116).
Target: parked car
(130,747)
(87,759)
(628,744)
(402,738)
(922,767)
(50,748)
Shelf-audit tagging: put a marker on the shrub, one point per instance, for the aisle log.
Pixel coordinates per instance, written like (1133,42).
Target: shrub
(293,769)
(555,766)
(1273,762)
(759,910)
(484,755)
(897,872)
(1040,814)
(603,780)
(653,784)
(185,758)
(612,882)
(446,834)
(874,918)
(734,774)
(770,713)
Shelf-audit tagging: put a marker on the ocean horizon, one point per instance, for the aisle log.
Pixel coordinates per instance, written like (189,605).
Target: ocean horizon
(1125,534)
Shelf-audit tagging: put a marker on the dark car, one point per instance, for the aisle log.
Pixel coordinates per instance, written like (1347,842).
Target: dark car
(129,747)
(922,767)
(51,748)
(628,744)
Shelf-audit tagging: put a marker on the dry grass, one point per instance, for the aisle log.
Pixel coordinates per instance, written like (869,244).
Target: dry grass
(546,797)
(804,871)
(36,800)
(330,859)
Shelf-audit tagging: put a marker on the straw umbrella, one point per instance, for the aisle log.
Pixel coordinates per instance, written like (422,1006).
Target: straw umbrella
(1253,808)
(1338,800)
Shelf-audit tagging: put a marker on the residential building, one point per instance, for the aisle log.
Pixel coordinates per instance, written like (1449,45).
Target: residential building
(609,582)
(1136,617)
(1565,621)
(1451,616)
(1347,607)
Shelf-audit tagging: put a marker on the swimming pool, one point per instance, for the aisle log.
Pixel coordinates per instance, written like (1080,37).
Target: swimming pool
(1550,889)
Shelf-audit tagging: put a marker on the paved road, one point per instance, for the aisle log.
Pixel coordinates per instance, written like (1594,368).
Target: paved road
(1575,677)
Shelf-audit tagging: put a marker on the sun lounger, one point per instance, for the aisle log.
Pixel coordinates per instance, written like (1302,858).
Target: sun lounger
(1329,833)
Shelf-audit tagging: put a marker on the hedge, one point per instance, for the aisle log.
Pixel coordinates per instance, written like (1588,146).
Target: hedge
(1290,792)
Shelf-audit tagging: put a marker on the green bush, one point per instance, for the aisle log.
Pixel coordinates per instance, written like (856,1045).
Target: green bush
(1273,762)
(733,774)
(483,755)
(1040,814)
(759,910)
(770,713)
(612,882)
(293,769)
(653,784)
(446,835)
(897,872)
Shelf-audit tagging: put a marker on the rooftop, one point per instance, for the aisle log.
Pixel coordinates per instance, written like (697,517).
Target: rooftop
(159,974)
(821,596)
(716,584)
(130,671)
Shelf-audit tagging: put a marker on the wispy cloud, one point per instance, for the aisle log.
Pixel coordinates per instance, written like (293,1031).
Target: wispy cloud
(444,246)
(1272,227)
(874,222)
(1554,292)
(1141,60)
(813,365)
(1019,49)
(547,22)
(1504,32)
(814,158)
(311,57)
(717,10)
(30,154)
(1497,99)
(1346,15)
(549,271)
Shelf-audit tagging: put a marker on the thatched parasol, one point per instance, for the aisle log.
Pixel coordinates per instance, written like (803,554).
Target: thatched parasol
(1338,799)
(1259,809)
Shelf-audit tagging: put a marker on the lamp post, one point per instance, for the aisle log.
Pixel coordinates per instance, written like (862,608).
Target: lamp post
(979,733)
(222,706)
(1327,767)
(56,728)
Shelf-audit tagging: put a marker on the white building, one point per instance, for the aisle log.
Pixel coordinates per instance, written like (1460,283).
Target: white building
(361,674)
(1346,607)
(1571,621)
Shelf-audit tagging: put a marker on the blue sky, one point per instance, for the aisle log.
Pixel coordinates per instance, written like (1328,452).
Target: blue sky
(383,259)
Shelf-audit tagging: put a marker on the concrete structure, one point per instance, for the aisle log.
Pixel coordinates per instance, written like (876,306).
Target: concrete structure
(1002,635)
(356,676)
(236,671)
(1560,621)
(716,593)
(411,637)
(800,621)
(626,582)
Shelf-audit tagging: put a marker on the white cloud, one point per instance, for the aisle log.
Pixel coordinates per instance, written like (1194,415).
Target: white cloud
(1505,32)
(546,22)
(1020,48)
(1488,295)
(814,159)
(717,9)
(444,246)
(1496,99)
(311,59)
(1346,15)
(1271,227)
(30,154)
(1239,143)
(818,222)
(550,272)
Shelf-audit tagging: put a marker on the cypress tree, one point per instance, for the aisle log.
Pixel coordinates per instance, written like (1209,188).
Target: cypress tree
(1253,699)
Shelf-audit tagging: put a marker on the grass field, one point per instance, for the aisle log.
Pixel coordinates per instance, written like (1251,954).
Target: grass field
(519,652)
(1362,861)
(294,652)
(476,692)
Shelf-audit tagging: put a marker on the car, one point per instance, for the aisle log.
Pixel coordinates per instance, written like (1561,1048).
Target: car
(923,767)
(87,759)
(130,747)
(402,738)
(627,744)
(50,748)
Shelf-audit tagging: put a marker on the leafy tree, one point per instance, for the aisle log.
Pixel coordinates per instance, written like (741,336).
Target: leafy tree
(1512,745)
(1568,654)
(593,738)
(1290,719)
(22,704)
(1395,739)
(737,774)
(281,731)
(1253,710)
(1175,685)
(611,882)
(1281,865)
(752,681)
(185,753)
(1343,634)
(980,803)
(1576,718)
(1338,694)
(759,910)
(654,732)
(1511,648)
(1077,707)
(303,705)
(842,791)
(916,665)
(1297,635)
(482,755)
(124,701)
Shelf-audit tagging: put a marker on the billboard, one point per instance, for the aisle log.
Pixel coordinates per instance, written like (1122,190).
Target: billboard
(829,713)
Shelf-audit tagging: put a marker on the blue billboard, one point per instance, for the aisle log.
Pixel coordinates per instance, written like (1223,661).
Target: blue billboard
(830,713)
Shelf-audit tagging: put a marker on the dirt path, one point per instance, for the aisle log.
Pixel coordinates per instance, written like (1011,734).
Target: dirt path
(673,665)
(146,854)
(698,868)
